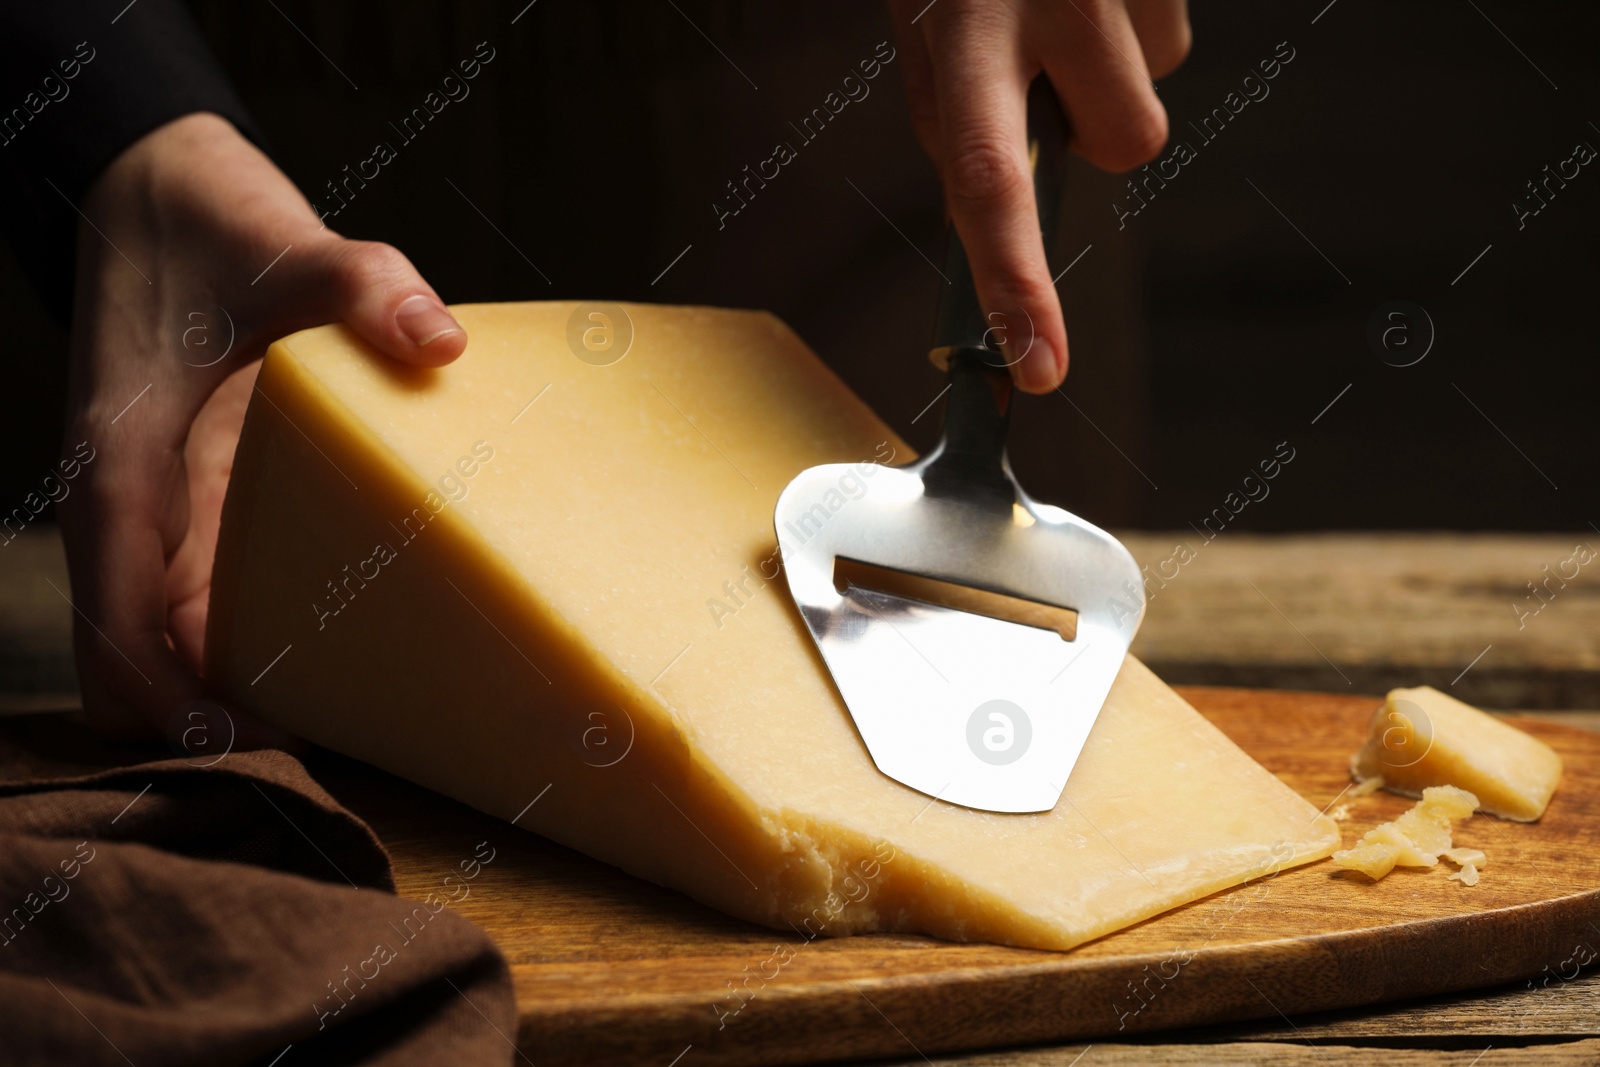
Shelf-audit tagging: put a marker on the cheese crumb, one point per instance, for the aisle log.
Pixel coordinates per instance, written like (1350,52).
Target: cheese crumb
(1464,856)
(1470,860)
(1366,787)
(1417,838)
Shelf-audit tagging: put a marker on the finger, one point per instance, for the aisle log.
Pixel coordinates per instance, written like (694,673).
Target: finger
(134,683)
(208,460)
(319,275)
(377,292)
(117,547)
(917,70)
(981,84)
(1094,60)
(1164,35)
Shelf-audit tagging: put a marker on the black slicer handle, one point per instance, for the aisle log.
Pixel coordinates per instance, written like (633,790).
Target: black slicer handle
(978,408)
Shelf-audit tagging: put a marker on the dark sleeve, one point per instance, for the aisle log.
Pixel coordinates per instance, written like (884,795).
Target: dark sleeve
(79,82)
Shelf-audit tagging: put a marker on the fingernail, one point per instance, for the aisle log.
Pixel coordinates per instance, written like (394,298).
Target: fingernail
(424,320)
(1041,371)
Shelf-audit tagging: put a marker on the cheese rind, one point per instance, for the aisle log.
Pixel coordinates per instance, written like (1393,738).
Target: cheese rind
(1422,737)
(546,587)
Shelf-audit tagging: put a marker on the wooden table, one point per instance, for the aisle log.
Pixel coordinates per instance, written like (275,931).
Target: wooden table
(1333,612)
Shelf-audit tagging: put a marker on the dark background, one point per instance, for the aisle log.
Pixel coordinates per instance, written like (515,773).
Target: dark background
(1215,325)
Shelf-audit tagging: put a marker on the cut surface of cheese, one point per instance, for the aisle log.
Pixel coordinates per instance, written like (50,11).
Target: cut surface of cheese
(545,583)
(1422,737)
(1417,838)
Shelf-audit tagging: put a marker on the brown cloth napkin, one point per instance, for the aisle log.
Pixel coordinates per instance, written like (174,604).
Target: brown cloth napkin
(173,914)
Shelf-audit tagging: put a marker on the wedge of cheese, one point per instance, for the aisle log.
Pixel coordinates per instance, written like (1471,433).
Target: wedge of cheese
(1422,737)
(544,581)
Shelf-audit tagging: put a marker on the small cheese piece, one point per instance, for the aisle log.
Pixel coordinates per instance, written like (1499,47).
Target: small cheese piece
(1355,792)
(1428,823)
(1366,787)
(1416,839)
(544,580)
(1372,858)
(1421,737)
(1469,859)
(1407,853)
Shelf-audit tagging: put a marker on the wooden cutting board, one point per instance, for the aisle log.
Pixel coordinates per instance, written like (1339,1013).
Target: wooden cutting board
(612,969)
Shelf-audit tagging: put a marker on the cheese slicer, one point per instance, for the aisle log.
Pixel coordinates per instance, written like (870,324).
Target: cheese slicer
(972,631)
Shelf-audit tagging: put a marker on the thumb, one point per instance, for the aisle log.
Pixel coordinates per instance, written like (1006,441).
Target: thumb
(376,291)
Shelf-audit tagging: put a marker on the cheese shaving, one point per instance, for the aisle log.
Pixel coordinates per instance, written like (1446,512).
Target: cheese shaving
(1417,838)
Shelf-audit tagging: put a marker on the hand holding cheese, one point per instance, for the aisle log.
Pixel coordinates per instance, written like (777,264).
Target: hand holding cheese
(198,253)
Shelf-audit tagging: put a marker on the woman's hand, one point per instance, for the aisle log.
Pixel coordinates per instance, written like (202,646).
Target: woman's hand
(193,245)
(968,64)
